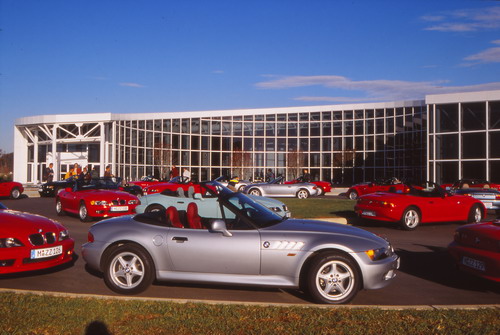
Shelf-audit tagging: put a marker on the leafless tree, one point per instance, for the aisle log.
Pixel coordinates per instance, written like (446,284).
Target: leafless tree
(162,155)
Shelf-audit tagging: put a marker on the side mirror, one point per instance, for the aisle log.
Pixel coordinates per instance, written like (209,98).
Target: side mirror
(68,189)
(219,226)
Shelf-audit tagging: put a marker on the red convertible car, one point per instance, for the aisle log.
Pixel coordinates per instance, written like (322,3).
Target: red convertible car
(173,185)
(476,249)
(429,203)
(31,242)
(11,189)
(145,182)
(324,186)
(385,185)
(100,199)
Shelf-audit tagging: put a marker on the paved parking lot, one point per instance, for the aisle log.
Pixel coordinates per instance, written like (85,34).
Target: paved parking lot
(426,277)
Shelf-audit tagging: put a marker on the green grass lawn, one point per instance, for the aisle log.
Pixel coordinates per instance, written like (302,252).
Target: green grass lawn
(319,207)
(44,314)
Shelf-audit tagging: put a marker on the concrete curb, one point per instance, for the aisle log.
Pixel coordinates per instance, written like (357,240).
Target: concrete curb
(243,303)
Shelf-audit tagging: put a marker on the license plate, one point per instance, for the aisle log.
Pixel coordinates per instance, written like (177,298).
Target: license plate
(473,263)
(368,213)
(119,209)
(488,204)
(47,252)
(288,215)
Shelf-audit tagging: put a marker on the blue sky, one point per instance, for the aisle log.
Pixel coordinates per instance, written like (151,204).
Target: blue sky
(61,57)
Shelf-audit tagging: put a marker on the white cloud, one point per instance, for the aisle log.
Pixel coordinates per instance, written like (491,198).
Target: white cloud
(130,85)
(491,55)
(465,20)
(371,90)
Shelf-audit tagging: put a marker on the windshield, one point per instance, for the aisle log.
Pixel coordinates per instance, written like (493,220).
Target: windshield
(113,183)
(242,205)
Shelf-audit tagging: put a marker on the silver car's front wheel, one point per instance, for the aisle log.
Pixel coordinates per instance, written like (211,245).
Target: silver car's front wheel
(333,279)
(255,191)
(302,194)
(475,214)
(15,193)
(128,270)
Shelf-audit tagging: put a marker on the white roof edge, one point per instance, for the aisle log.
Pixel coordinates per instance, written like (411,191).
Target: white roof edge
(96,117)
(462,97)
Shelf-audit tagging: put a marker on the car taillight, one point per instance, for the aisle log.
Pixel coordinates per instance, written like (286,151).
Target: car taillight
(90,237)
(497,197)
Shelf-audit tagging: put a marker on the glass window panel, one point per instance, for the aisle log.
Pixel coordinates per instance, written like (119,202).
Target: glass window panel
(271,117)
(292,129)
(348,128)
(337,143)
(379,126)
(237,128)
(474,170)
(348,143)
(304,117)
(474,145)
(494,170)
(327,128)
(270,129)
(248,129)
(226,143)
(359,127)
(176,126)
(446,118)
(358,143)
(270,144)
(379,113)
(248,118)
(315,129)
(369,126)
(292,144)
(304,144)
(326,116)
(281,117)
(259,129)
(304,129)
(205,127)
(215,158)
(185,126)
(495,144)
(315,144)
(281,129)
(494,107)
(215,127)
(248,144)
(337,115)
(327,144)
(446,146)
(281,144)
(293,117)
(226,128)
(474,116)
(389,125)
(369,143)
(259,144)
(205,140)
(216,143)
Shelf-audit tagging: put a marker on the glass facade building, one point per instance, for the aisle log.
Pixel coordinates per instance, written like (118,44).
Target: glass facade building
(345,144)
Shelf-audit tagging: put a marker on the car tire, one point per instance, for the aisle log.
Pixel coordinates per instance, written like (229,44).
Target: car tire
(352,195)
(322,192)
(302,194)
(410,219)
(59,209)
(83,213)
(154,208)
(240,189)
(333,278)
(15,193)
(255,191)
(128,269)
(475,214)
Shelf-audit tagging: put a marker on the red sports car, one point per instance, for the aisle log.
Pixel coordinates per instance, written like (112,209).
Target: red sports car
(97,199)
(145,182)
(471,183)
(476,249)
(429,203)
(173,185)
(11,189)
(31,242)
(323,185)
(385,185)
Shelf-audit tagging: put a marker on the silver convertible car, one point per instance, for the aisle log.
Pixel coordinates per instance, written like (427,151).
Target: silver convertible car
(207,203)
(278,188)
(251,245)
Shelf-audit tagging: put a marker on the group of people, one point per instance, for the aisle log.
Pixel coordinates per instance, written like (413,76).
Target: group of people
(76,171)
(174,172)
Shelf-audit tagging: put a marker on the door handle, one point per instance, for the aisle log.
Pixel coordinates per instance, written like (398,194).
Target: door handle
(179,239)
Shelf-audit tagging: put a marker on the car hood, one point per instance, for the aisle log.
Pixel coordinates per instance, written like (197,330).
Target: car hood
(107,193)
(304,225)
(24,223)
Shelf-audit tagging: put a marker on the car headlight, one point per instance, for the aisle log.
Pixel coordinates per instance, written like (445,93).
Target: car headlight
(380,253)
(10,242)
(99,203)
(133,202)
(63,235)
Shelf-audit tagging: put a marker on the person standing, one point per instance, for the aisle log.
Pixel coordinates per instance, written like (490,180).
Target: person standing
(186,174)
(107,172)
(270,175)
(49,173)
(174,172)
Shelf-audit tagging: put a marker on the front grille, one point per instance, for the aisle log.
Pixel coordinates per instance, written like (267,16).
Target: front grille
(41,239)
(119,202)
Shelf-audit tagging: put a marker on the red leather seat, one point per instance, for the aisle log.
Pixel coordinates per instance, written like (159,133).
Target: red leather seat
(173,216)
(193,219)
